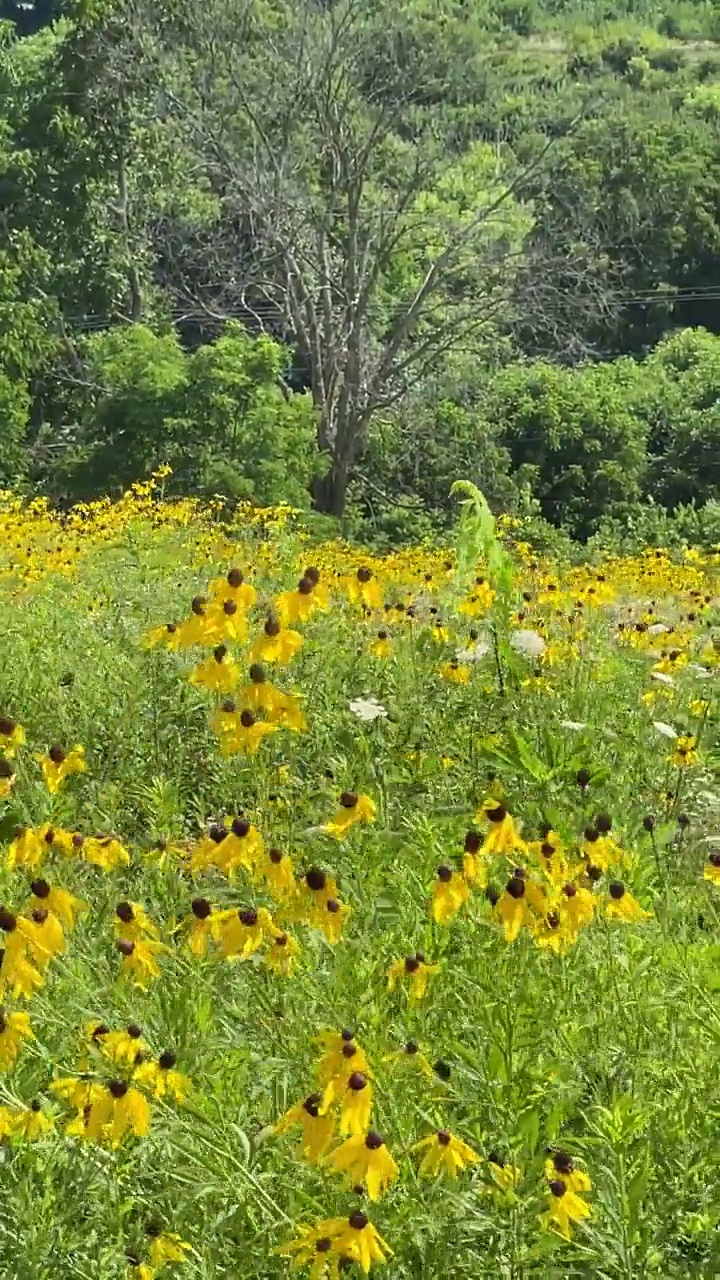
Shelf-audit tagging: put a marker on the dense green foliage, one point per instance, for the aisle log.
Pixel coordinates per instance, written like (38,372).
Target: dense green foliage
(460,240)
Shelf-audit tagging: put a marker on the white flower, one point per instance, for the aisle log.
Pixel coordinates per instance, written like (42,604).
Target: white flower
(368,709)
(530,643)
(665,729)
(475,652)
(575,725)
(702,673)
(657,629)
(663,679)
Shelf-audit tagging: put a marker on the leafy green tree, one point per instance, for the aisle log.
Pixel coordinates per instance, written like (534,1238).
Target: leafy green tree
(682,409)
(218,416)
(574,435)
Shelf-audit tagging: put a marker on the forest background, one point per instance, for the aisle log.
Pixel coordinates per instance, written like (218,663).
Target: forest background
(339,253)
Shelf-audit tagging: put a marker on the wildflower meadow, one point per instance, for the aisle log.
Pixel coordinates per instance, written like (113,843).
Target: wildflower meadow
(360,914)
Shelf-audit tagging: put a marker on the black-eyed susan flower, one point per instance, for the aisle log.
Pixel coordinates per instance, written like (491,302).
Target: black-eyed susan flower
(451,892)
(332,922)
(276,870)
(121,1047)
(12,737)
(381,646)
(133,923)
(502,836)
(200,931)
(444,1154)
(416,972)
(565,1207)
(31,1122)
(137,1269)
(226,621)
(241,931)
(260,694)
(316,1124)
(165,1246)
(26,849)
(358,1240)
(341,1054)
(576,907)
(283,954)
(60,902)
(248,735)
(455,672)
(14,1029)
(365,1160)
(622,906)
(503,1174)
(354,808)
(43,934)
(298,605)
(519,903)
(711,870)
(218,673)
(354,1097)
(315,1250)
(166,636)
(276,644)
(243,846)
(106,852)
(233,587)
(7,778)
(685,753)
(562,1165)
(139,960)
(412,1055)
(162,1079)
(58,765)
(119,1110)
(363,589)
(16,971)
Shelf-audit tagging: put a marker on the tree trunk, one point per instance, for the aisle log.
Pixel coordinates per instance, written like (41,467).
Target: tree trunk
(330,490)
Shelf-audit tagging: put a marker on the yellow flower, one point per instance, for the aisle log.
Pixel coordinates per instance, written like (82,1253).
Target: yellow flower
(410,1053)
(502,836)
(622,906)
(139,960)
(504,1175)
(340,1055)
(381,646)
(31,1122)
(119,1110)
(283,955)
(451,892)
(167,636)
(576,908)
(564,1209)
(515,906)
(233,587)
(278,874)
(44,936)
(416,972)
(14,1028)
(365,1159)
(317,1127)
(699,708)
(161,1078)
(16,971)
(12,737)
(364,589)
(201,927)
(219,673)
(26,849)
(122,1047)
(102,851)
(354,808)
(455,672)
(141,1271)
(62,904)
(57,765)
(561,1165)
(240,733)
(299,605)
(262,695)
(711,871)
(685,752)
(240,931)
(355,1103)
(326,1244)
(359,1240)
(7,778)
(276,644)
(132,923)
(165,1247)
(444,1153)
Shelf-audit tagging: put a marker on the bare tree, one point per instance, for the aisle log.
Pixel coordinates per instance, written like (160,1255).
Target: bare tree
(345,217)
